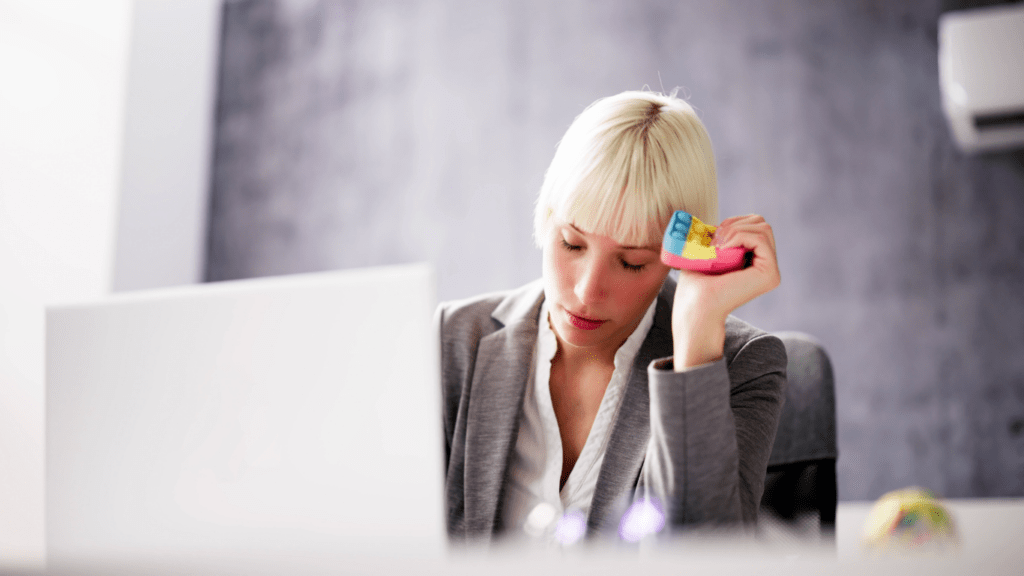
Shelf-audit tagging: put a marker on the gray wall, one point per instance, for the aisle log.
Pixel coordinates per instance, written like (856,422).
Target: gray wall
(362,133)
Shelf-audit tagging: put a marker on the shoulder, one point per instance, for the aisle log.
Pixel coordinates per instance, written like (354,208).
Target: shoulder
(474,318)
(469,315)
(751,352)
(462,324)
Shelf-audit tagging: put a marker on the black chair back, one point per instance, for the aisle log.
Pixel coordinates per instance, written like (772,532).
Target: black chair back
(800,492)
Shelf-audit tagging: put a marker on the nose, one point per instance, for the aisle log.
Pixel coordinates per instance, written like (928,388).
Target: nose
(590,283)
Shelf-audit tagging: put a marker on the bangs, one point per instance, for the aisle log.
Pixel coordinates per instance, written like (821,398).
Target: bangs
(617,198)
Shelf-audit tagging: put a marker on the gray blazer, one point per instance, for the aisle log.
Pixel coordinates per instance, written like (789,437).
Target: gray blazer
(698,441)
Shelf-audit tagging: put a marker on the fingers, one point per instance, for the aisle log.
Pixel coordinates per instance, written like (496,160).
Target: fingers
(748,217)
(753,233)
(749,231)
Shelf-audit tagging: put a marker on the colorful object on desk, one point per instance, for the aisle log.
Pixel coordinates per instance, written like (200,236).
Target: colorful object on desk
(687,246)
(909,519)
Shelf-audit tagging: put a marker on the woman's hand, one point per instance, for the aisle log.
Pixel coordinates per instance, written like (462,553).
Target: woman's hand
(703,301)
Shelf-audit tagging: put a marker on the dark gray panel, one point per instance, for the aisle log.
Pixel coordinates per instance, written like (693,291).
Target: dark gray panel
(361,133)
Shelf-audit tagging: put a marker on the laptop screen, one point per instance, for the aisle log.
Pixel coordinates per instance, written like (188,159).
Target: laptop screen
(258,419)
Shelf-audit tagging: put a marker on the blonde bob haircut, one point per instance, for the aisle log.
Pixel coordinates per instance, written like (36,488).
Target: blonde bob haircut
(625,165)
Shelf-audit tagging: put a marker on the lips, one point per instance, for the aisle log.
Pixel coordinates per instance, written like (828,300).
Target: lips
(584,323)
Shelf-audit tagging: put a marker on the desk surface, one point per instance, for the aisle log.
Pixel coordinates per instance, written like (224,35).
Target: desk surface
(985,526)
(990,532)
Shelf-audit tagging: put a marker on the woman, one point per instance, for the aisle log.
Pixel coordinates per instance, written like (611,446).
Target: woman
(605,381)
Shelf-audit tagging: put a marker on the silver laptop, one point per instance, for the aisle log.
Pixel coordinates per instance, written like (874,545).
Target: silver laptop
(260,420)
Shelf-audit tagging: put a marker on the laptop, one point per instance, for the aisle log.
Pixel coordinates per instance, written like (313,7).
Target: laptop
(248,423)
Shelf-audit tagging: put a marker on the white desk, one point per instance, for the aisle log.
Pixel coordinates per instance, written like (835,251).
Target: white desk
(985,526)
(990,533)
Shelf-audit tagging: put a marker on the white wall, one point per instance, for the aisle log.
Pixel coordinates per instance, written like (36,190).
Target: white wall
(71,72)
(62,79)
(161,228)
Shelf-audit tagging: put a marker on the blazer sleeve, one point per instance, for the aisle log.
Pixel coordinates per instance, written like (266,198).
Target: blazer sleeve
(712,431)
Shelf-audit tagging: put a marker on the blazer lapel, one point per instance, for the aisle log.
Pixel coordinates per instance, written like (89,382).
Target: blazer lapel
(628,443)
(504,362)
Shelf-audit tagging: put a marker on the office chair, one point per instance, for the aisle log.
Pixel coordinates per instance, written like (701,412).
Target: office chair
(800,489)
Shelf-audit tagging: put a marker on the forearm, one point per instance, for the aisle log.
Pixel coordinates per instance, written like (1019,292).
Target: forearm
(712,429)
(692,463)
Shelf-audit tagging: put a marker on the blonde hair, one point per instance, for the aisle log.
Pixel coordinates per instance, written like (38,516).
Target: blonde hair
(625,165)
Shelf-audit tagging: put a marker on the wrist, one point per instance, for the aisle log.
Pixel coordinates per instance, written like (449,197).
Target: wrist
(697,341)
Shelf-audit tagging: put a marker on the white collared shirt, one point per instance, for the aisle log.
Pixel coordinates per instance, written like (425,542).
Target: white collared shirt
(536,467)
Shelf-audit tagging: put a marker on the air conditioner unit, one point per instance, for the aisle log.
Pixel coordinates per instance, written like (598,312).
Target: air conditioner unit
(981,75)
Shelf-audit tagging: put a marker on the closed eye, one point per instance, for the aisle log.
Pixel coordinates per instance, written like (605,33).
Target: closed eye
(626,265)
(570,247)
(632,267)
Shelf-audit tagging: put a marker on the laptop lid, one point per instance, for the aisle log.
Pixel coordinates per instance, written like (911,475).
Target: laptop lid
(265,418)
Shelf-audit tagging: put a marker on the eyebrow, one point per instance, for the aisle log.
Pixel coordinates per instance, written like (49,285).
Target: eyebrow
(620,246)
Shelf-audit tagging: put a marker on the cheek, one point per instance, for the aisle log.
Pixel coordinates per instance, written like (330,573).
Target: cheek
(647,289)
(636,295)
(555,268)
(563,273)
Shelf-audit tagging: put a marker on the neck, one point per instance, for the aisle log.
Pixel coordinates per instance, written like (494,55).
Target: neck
(576,356)
(579,356)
